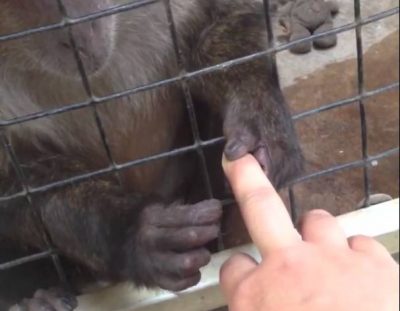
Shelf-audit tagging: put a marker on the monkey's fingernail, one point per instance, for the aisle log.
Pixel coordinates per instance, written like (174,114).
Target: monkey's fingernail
(234,150)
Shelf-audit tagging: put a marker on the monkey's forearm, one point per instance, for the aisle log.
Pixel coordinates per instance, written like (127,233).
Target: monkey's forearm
(88,222)
(91,222)
(19,224)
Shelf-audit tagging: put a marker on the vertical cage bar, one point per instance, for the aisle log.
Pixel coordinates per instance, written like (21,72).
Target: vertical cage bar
(271,57)
(191,110)
(188,98)
(273,67)
(361,103)
(89,92)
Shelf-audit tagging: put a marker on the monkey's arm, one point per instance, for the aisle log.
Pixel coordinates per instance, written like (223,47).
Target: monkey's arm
(119,236)
(247,96)
(74,217)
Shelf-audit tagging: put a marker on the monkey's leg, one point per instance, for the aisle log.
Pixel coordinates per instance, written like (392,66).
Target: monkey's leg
(19,229)
(255,116)
(325,42)
(51,300)
(300,32)
(333,7)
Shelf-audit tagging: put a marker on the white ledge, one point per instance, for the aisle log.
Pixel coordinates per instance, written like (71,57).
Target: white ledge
(380,221)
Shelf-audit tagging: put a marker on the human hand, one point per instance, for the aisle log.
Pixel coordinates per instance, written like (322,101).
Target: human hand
(319,270)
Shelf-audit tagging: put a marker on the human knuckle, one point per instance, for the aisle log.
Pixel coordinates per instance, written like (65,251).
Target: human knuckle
(227,266)
(244,289)
(361,241)
(231,263)
(289,260)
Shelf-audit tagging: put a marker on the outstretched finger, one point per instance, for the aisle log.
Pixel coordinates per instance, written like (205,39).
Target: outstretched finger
(264,213)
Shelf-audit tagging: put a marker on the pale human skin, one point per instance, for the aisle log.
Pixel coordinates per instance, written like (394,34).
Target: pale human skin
(318,269)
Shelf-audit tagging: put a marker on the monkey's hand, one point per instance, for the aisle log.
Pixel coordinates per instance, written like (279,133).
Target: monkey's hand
(169,246)
(245,134)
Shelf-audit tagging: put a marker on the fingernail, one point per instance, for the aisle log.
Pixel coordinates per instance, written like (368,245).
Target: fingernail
(225,161)
(320,212)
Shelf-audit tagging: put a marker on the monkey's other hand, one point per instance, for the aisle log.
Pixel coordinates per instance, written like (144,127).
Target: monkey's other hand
(170,243)
(48,300)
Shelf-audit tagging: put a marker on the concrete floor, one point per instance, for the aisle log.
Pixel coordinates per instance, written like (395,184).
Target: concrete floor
(333,137)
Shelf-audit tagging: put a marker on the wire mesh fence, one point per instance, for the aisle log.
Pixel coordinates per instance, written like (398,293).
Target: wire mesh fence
(93,102)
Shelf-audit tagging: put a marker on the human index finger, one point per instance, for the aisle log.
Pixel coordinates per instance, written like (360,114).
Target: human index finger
(264,213)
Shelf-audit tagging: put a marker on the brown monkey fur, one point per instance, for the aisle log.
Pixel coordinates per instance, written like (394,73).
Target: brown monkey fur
(151,225)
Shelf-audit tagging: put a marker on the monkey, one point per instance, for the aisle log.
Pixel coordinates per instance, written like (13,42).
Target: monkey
(148,223)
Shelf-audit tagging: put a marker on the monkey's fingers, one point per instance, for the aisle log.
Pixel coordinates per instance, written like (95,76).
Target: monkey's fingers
(186,238)
(185,265)
(177,284)
(179,216)
(264,213)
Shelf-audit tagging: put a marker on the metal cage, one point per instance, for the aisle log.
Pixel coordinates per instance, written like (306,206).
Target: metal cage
(199,145)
